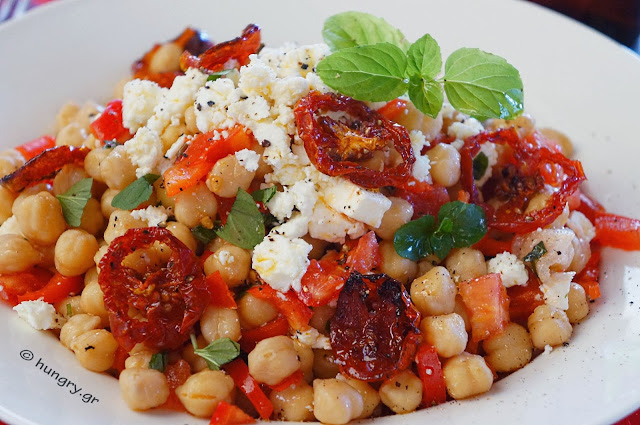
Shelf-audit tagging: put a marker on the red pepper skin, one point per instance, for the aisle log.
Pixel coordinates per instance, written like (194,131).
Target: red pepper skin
(35,147)
(228,414)
(434,390)
(293,379)
(296,312)
(589,277)
(393,109)
(17,284)
(58,288)
(221,296)
(617,231)
(250,337)
(109,125)
(239,372)
(524,299)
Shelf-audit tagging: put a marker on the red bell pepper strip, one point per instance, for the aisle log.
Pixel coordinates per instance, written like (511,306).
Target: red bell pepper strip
(221,296)
(58,288)
(590,207)
(109,125)
(434,390)
(589,277)
(293,379)
(239,372)
(228,414)
(35,147)
(250,337)
(16,284)
(487,303)
(618,232)
(296,312)
(203,152)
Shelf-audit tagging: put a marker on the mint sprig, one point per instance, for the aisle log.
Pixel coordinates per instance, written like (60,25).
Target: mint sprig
(369,63)
(219,352)
(74,200)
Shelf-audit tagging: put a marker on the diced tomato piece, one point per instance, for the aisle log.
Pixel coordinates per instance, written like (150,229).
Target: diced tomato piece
(109,125)
(17,284)
(523,299)
(293,379)
(56,289)
(120,358)
(487,304)
(250,337)
(296,312)
(203,152)
(177,373)
(365,256)
(228,414)
(426,202)
(322,282)
(33,148)
(618,232)
(393,109)
(221,296)
(246,383)
(430,371)
(491,247)
(224,207)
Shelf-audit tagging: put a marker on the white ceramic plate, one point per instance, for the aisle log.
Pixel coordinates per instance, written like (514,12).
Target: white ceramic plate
(575,80)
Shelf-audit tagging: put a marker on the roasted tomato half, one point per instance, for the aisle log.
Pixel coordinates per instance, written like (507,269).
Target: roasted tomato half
(154,289)
(374,332)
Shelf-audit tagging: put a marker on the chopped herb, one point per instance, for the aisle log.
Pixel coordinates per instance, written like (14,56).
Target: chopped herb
(219,74)
(74,200)
(69,310)
(136,193)
(203,234)
(219,352)
(480,165)
(536,253)
(245,223)
(159,361)
(264,195)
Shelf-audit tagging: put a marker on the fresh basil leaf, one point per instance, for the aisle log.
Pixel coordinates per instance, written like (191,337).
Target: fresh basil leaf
(203,234)
(374,73)
(426,95)
(159,361)
(411,240)
(536,253)
(483,85)
(218,74)
(350,29)
(480,164)
(74,200)
(136,193)
(424,58)
(264,195)
(467,223)
(245,224)
(219,352)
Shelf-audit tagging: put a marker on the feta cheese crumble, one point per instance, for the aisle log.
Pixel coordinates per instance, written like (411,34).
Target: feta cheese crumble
(281,261)
(39,314)
(248,159)
(154,216)
(512,270)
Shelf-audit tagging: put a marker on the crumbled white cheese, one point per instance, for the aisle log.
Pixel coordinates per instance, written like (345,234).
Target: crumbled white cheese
(248,159)
(329,225)
(312,338)
(139,99)
(154,216)
(212,102)
(556,289)
(422,166)
(249,111)
(287,91)
(547,350)
(512,269)
(301,195)
(281,262)
(39,314)
(145,150)
(225,257)
(256,77)
(489,149)
(355,202)
(296,227)
(466,128)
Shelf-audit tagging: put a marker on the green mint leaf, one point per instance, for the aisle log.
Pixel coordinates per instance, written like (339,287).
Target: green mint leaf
(245,224)
(350,29)
(536,253)
(159,361)
(215,75)
(74,200)
(203,234)
(264,195)
(424,58)
(442,243)
(426,95)
(468,223)
(219,352)
(480,164)
(374,73)
(411,240)
(136,193)
(483,85)
(69,310)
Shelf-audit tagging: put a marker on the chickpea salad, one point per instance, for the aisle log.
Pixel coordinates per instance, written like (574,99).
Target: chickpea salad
(325,232)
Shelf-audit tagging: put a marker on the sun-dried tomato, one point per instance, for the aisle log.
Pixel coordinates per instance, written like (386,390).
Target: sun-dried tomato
(334,146)
(520,178)
(43,166)
(158,307)
(374,331)
(214,59)
(191,40)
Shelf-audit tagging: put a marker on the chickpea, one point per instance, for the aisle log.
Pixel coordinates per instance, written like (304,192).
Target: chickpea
(402,393)
(465,264)
(445,164)
(171,134)
(434,293)
(219,323)
(227,176)
(29,191)
(183,233)
(86,114)
(6,203)
(399,268)
(196,362)
(201,392)
(305,354)
(446,333)
(548,326)
(74,252)
(40,218)
(335,402)
(101,252)
(71,134)
(413,119)
(161,194)
(578,304)
(324,364)
(66,115)
(77,325)
(67,177)
(92,162)
(566,147)
(92,219)
(294,403)
(509,350)
(255,312)
(466,375)
(119,223)
(72,303)
(194,204)
(190,120)
(370,397)
(166,58)
(138,360)
(427,263)
(95,349)
(143,389)
(117,170)
(17,254)
(105,202)
(398,214)
(318,247)
(233,263)
(461,311)
(92,301)
(273,359)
